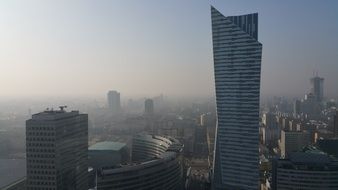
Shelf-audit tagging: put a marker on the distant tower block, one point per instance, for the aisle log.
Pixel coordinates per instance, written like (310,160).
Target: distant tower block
(317,88)
(149,106)
(114,102)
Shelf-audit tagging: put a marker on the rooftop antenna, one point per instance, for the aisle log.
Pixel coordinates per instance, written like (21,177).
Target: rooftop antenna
(62,108)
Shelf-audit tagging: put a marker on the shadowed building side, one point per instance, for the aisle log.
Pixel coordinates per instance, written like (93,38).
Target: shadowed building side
(57,150)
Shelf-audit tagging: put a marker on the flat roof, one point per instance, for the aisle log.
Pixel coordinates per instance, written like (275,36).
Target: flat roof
(49,115)
(108,145)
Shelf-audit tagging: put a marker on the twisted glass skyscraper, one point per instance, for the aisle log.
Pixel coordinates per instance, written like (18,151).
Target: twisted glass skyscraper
(237,66)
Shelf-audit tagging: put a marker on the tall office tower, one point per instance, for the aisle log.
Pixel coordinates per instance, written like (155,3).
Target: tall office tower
(149,106)
(205,119)
(237,66)
(285,123)
(114,102)
(269,120)
(296,107)
(317,88)
(56,149)
(270,130)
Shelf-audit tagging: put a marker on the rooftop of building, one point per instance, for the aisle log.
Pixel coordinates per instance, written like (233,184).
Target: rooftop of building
(288,131)
(170,154)
(310,158)
(108,145)
(329,146)
(174,145)
(51,114)
(134,166)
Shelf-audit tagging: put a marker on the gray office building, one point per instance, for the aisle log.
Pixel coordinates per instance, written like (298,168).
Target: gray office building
(56,149)
(293,141)
(149,106)
(237,68)
(107,154)
(317,88)
(114,102)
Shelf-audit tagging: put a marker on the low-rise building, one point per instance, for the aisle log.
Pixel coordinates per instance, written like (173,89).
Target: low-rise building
(310,169)
(107,154)
(292,141)
(157,165)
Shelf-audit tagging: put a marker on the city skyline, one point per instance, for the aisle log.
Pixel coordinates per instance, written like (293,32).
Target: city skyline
(91,48)
(172,95)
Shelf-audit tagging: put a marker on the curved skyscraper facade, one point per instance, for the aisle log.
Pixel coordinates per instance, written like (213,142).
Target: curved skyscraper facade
(237,67)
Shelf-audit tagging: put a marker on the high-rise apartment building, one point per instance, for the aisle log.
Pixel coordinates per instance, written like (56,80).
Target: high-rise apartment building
(149,106)
(317,88)
(205,120)
(114,102)
(270,129)
(237,66)
(56,149)
(297,108)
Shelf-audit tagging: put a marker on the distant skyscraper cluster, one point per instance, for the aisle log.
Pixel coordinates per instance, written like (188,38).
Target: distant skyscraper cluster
(304,156)
(312,103)
(237,65)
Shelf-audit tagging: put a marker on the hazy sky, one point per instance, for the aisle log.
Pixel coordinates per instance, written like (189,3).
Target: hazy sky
(144,48)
